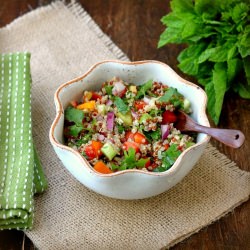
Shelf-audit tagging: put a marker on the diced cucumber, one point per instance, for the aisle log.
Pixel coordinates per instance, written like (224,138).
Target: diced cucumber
(144,118)
(189,144)
(108,150)
(101,108)
(186,105)
(126,118)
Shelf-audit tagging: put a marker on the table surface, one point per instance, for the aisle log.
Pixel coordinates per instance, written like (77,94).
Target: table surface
(134,25)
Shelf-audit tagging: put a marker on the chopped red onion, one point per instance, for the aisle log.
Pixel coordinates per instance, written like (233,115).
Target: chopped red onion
(110,120)
(134,114)
(146,99)
(100,137)
(109,103)
(165,128)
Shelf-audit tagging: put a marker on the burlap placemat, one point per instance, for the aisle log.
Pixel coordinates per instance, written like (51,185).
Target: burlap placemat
(64,42)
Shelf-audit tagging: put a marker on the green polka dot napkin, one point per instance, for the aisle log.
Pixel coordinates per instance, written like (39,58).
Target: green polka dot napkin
(21,175)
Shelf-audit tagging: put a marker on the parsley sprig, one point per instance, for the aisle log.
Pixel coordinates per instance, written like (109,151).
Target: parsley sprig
(130,161)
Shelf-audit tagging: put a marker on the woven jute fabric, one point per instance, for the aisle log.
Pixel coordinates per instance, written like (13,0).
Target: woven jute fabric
(64,42)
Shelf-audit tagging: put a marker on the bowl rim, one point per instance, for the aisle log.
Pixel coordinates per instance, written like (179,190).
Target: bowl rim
(60,112)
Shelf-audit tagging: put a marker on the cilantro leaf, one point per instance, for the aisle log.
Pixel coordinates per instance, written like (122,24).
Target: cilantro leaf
(144,88)
(121,106)
(74,130)
(130,161)
(74,115)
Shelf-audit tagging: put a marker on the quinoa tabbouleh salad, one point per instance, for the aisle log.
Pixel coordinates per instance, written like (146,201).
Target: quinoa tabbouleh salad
(124,126)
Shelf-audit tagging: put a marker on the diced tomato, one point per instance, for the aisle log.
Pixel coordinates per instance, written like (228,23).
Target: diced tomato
(122,93)
(136,137)
(97,147)
(139,104)
(74,104)
(90,152)
(129,135)
(166,146)
(102,168)
(134,145)
(93,150)
(152,166)
(168,117)
(140,138)
(95,96)
(148,163)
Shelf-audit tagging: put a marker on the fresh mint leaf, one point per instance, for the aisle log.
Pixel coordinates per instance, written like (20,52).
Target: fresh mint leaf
(234,66)
(168,95)
(244,91)
(216,35)
(121,106)
(220,86)
(172,96)
(144,88)
(74,115)
(246,64)
(244,45)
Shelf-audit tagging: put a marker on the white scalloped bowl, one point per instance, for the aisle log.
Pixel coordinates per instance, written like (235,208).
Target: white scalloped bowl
(128,184)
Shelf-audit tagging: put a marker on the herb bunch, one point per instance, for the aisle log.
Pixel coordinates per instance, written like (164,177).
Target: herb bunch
(217,34)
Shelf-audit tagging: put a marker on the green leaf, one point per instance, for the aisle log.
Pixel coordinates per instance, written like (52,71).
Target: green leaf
(188,58)
(232,52)
(130,160)
(170,35)
(153,135)
(234,66)
(216,34)
(211,101)
(246,64)
(216,91)
(121,106)
(182,6)
(120,128)
(173,20)
(74,130)
(108,89)
(244,44)
(144,88)
(189,66)
(141,163)
(74,115)
(240,12)
(206,7)
(168,158)
(217,54)
(172,96)
(244,90)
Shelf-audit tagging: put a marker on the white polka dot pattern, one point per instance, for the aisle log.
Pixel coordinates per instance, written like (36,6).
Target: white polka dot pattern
(20,170)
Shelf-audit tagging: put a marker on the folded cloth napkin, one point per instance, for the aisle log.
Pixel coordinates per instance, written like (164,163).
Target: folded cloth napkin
(21,175)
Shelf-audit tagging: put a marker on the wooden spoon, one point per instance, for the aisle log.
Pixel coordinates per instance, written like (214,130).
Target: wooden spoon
(231,137)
